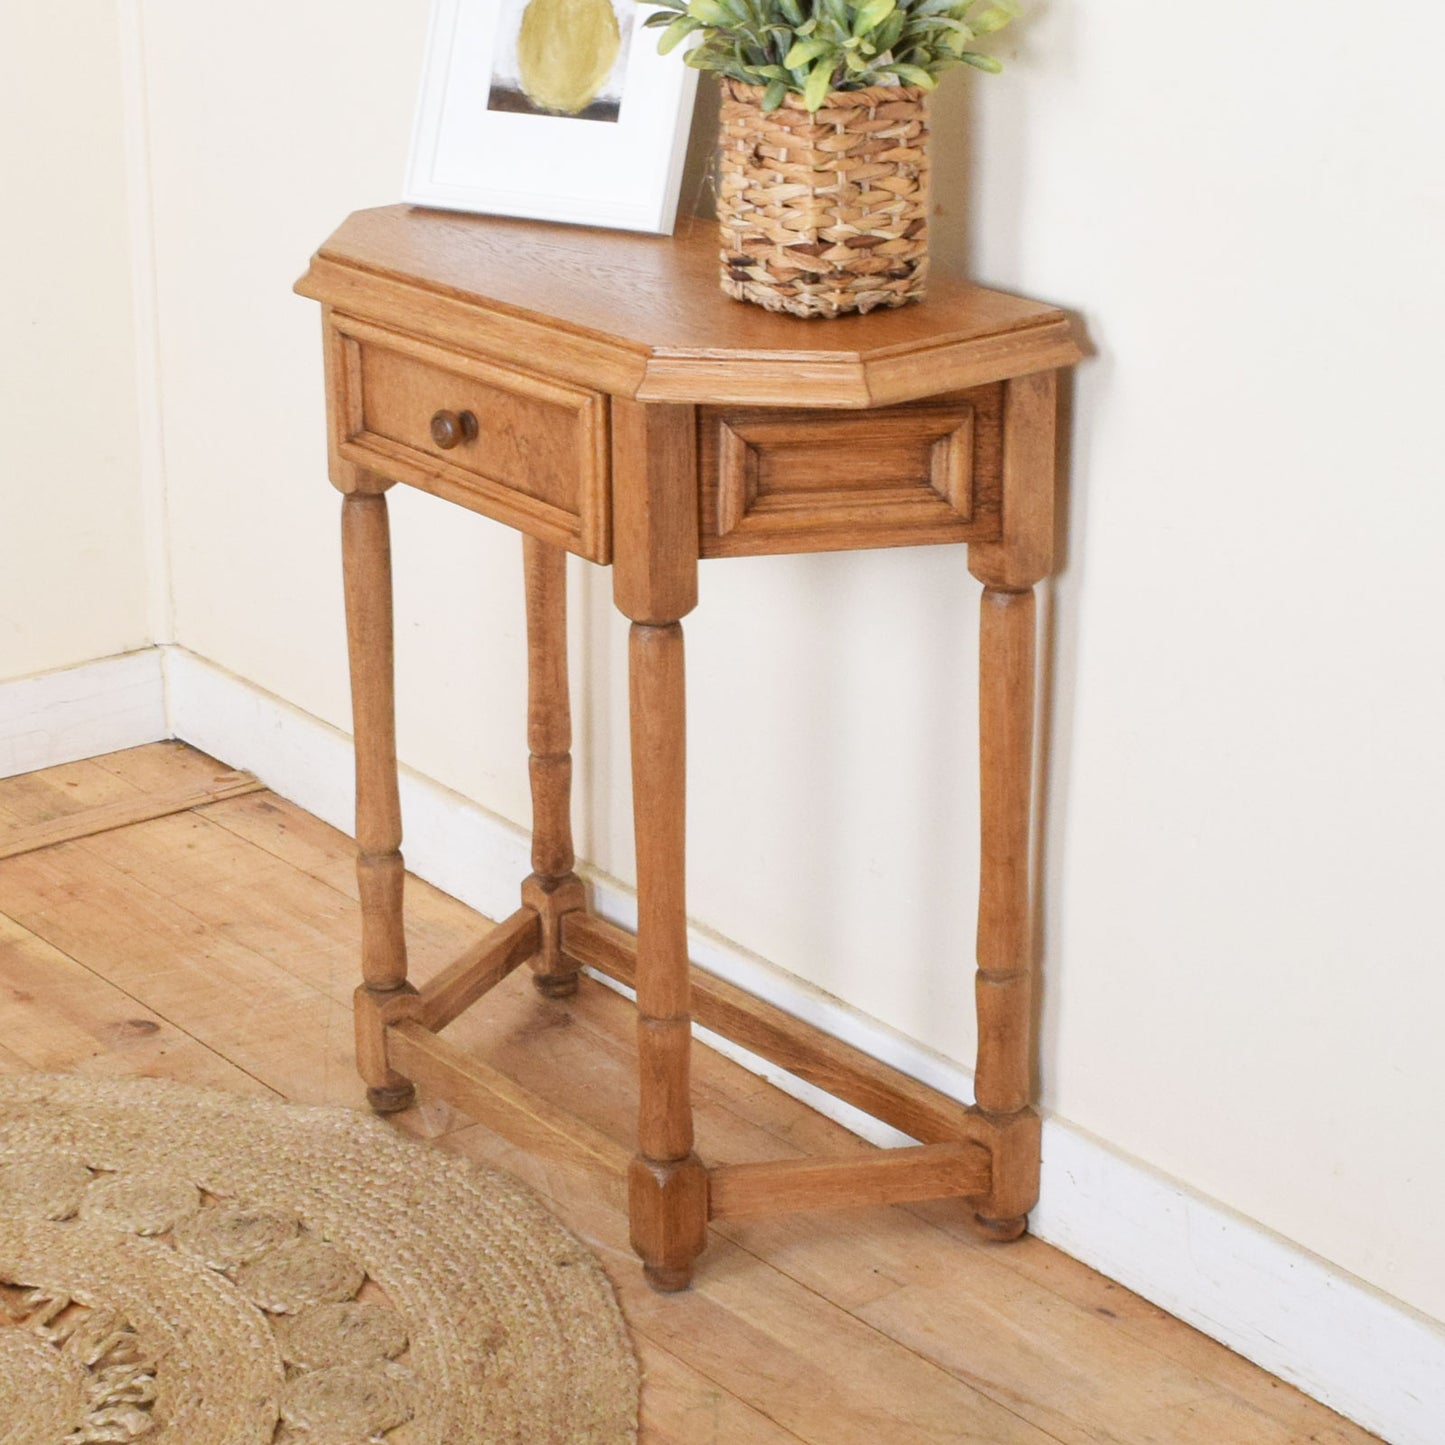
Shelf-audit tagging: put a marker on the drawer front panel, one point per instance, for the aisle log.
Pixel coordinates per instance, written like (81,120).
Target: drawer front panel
(528,451)
(816,481)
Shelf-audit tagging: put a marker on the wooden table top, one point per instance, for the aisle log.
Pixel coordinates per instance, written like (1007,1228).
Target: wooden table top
(653,305)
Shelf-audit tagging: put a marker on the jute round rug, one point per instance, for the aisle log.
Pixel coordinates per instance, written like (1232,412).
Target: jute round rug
(183,1267)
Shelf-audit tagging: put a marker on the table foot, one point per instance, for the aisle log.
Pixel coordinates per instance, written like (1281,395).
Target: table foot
(1002,1230)
(667,1203)
(552,899)
(391,1099)
(667,1281)
(1014,1143)
(388,1092)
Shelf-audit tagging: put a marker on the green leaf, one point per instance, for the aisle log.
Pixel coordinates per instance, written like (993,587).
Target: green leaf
(676,33)
(792,12)
(819,83)
(708,12)
(946,22)
(915,75)
(773,95)
(804,51)
(993,19)
(890,31)
(981,62)
(872,13)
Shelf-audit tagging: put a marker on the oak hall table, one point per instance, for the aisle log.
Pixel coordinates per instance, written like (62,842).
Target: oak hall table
(597,392)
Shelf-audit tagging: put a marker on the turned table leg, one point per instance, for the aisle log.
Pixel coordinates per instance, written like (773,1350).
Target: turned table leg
(553,889)
(1003,985)
(667,1178)
(655,585)
(380,871)
(1009,568)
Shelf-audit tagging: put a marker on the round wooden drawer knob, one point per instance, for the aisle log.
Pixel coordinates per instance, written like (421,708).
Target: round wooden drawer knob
(451,428)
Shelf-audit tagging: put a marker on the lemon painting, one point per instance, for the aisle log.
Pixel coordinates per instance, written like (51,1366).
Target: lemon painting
(562,58)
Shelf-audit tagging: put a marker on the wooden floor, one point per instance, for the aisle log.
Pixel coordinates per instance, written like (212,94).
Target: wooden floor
(217,944)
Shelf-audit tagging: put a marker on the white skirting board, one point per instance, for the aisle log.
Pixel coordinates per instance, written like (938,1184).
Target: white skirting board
(81,712)
(1366,1355)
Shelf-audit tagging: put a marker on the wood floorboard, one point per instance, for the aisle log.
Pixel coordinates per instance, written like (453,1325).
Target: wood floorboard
(952,1300)
(56,1016)
(238,1003)
(59,792)
(160,767)
(110,816)
(682,1407)
(1180,1346)
(784,1350)
(219,946)
(11,1063)
(148,770)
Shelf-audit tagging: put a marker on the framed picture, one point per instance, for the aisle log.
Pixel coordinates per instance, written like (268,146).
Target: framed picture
(561,110)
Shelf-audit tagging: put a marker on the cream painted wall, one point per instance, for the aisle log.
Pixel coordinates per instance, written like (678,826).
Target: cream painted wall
(1244,783)
(1244,930)
(73,580)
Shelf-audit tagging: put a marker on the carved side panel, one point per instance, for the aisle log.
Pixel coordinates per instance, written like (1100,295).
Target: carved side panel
(811,481)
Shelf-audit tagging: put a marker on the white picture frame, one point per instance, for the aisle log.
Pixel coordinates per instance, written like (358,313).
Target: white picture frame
(482,144)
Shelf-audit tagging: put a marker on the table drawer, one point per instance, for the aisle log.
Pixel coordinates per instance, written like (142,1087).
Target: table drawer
(826,480)
(528,451)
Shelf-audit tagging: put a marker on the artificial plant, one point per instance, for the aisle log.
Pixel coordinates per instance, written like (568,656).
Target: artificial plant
(811,47)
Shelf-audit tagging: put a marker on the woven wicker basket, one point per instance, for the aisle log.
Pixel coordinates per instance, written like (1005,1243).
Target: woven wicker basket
(824,213)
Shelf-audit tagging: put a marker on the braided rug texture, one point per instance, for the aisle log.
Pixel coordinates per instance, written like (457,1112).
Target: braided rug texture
(824,213)
(184,1267)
